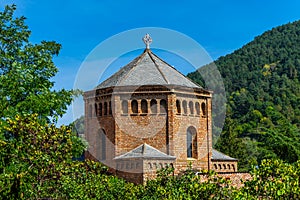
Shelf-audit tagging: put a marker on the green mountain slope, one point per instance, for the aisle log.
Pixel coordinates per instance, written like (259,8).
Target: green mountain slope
(263,97)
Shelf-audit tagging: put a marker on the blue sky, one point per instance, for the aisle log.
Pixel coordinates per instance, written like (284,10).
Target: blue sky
(219,26)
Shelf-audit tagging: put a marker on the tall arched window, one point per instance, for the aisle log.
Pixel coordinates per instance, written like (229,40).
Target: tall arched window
(178,107)
(184,105)
(100,109)
(163,106)
(197,106)
(96,110)
(203,108)
(101,147)
(191,107)
(105,108)
(124,107)
(144,106)
(191,142)
(109,108)
(90,113)
(153,106)
(134,106)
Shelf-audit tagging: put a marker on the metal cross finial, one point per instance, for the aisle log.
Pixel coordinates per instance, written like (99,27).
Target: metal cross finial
(147,40)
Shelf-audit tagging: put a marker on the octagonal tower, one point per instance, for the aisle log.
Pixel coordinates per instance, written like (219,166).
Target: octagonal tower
(147,116)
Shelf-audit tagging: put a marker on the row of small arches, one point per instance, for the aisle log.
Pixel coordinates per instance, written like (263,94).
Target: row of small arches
(144,106)
(100,109)
(224,166)
(128,165)
(149,106)
(190,108)
(155,165)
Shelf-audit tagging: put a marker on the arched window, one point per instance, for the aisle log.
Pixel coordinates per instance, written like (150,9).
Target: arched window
(163,106)
(144,106)
(109,108)
(220,166)
(233,167)
(134,106)
(215,166)
(197,106)
(161,165)
(228,166)
(178,107)
(191,142)
(224,166)
(101,147)
(105,108)
(124,107)
(184,105)
(90,111)
(203,108)
(96,110)
(100,109)
(153,106)
(191,107)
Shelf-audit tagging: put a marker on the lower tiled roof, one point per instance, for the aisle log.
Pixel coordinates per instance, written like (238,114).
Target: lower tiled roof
(217,155)
(145,151)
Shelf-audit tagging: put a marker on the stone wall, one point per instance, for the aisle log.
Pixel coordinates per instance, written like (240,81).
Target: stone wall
(236,178)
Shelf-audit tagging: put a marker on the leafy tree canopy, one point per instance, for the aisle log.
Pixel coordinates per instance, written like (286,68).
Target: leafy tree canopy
(26,70)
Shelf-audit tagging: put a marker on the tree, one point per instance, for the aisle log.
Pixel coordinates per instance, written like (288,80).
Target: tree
(33,156)
(26,70)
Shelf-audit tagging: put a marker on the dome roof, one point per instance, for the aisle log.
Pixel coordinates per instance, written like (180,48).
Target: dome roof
(147,69)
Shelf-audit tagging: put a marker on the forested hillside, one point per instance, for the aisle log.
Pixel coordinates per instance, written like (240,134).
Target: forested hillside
(263,97)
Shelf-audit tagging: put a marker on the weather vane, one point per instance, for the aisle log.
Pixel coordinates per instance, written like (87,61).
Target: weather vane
(147,40)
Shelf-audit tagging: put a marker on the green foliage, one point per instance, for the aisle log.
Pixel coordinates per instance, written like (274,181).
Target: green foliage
(263,95)
(78,126)
(274,179)
(33,156)
(26,70)
(36,162)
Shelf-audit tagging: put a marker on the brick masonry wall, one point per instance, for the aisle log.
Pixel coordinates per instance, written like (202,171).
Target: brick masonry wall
(164,130)
(236,179)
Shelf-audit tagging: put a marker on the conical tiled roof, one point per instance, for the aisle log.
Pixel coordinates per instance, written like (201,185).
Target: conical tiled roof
(147,69)
(145,151)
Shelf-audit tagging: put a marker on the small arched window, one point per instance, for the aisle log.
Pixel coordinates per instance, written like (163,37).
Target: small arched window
(153,106)
(233,167)
(178,107)
(215,166)
(124,107)
(163,106)
(228,166)
(184,105)
(224,166)
(100,109)
(109,108)
(101,149)
(134,106)
(191,107)
(105,108)
(197,106)
(144,106)
(96,110)
(203,108)
(90,111)
(220,166)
